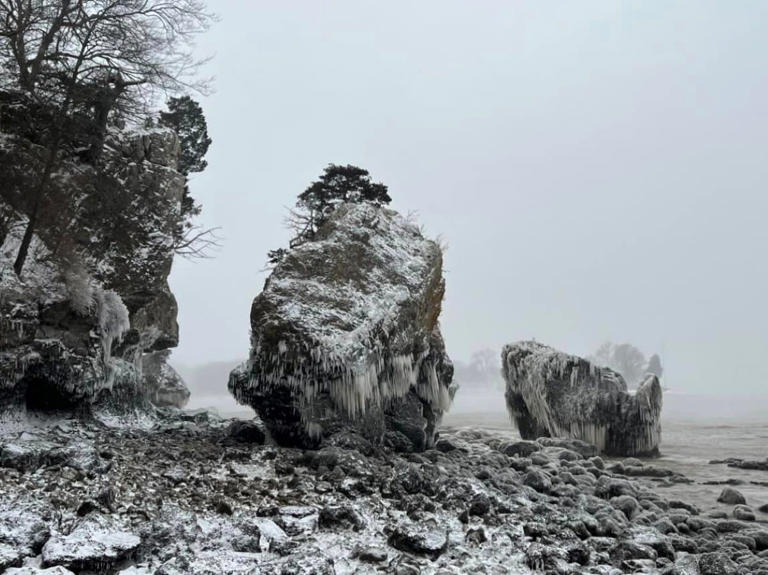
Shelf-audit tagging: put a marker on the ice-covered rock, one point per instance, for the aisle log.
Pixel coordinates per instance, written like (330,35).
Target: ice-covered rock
(73,329)
(10,556)
(164,384)
(95,544)
(550,393)
(346,333)
(23,531)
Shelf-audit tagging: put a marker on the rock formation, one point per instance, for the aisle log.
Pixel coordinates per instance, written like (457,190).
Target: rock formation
(345,333)
(72,336)
(550,393)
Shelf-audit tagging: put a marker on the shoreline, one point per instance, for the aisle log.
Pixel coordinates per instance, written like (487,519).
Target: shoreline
(185,497)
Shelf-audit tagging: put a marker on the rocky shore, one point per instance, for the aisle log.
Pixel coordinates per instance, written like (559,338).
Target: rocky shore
(192,493)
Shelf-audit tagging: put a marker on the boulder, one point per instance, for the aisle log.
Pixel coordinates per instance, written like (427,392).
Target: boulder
(553,394)
(419,540)
(731,496)
(95,544)
(345,334)
(743,513)
(247,431)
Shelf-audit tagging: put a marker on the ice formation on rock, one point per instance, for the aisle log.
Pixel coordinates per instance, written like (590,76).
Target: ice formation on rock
(346,331)
(550,393)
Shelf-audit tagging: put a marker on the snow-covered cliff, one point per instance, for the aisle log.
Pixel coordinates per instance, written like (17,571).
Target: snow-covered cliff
(92,302)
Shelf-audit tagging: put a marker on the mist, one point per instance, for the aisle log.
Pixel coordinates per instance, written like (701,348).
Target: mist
(597,169)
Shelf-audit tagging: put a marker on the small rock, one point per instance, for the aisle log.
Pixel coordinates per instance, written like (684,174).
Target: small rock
(107,497)
(598,462)
(538,480)
(716,563)
(250,431)
(419,539)
(371,554)
(578,553)
(677,504)
(342,516)
(627,504)
(626,550)
(521,448)
(731,496)
(223,507)
(86,507)
(743,513)
(480,505)
(535,529)
(445,445)
(476,535)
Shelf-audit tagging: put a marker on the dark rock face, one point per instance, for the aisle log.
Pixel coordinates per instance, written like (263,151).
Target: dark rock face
(345,334)
(72,339)
(553,394)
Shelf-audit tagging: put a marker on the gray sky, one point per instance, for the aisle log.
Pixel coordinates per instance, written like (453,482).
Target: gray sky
(598,169)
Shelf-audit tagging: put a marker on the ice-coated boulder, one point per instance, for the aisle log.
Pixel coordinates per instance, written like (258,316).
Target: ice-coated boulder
(94,544)
(345,333)
(554,394)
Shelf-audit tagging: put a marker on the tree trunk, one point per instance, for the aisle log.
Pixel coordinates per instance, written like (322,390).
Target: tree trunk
(21,256)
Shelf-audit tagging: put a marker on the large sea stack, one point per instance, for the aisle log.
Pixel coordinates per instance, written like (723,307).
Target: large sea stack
(554,394)
(345,335)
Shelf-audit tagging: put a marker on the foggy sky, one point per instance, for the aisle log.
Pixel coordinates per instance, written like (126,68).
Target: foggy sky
(598,169)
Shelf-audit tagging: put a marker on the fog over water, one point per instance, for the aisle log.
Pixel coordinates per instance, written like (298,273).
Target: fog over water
(598,170)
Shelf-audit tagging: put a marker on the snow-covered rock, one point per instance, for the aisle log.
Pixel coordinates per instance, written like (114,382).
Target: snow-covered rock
(95,544)
(550,393)
(346,332)
(35,571)
(165,385)
(73,329)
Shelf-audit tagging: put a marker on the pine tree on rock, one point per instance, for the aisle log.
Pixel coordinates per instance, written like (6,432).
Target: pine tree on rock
(185,116)
(337,185)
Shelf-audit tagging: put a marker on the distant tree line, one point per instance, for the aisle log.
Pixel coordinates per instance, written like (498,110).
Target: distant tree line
(627,360)
(483,369)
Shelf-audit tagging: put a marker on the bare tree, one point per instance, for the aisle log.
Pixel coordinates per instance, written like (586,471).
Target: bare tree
(624,358)
(197,242)
(90,59)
